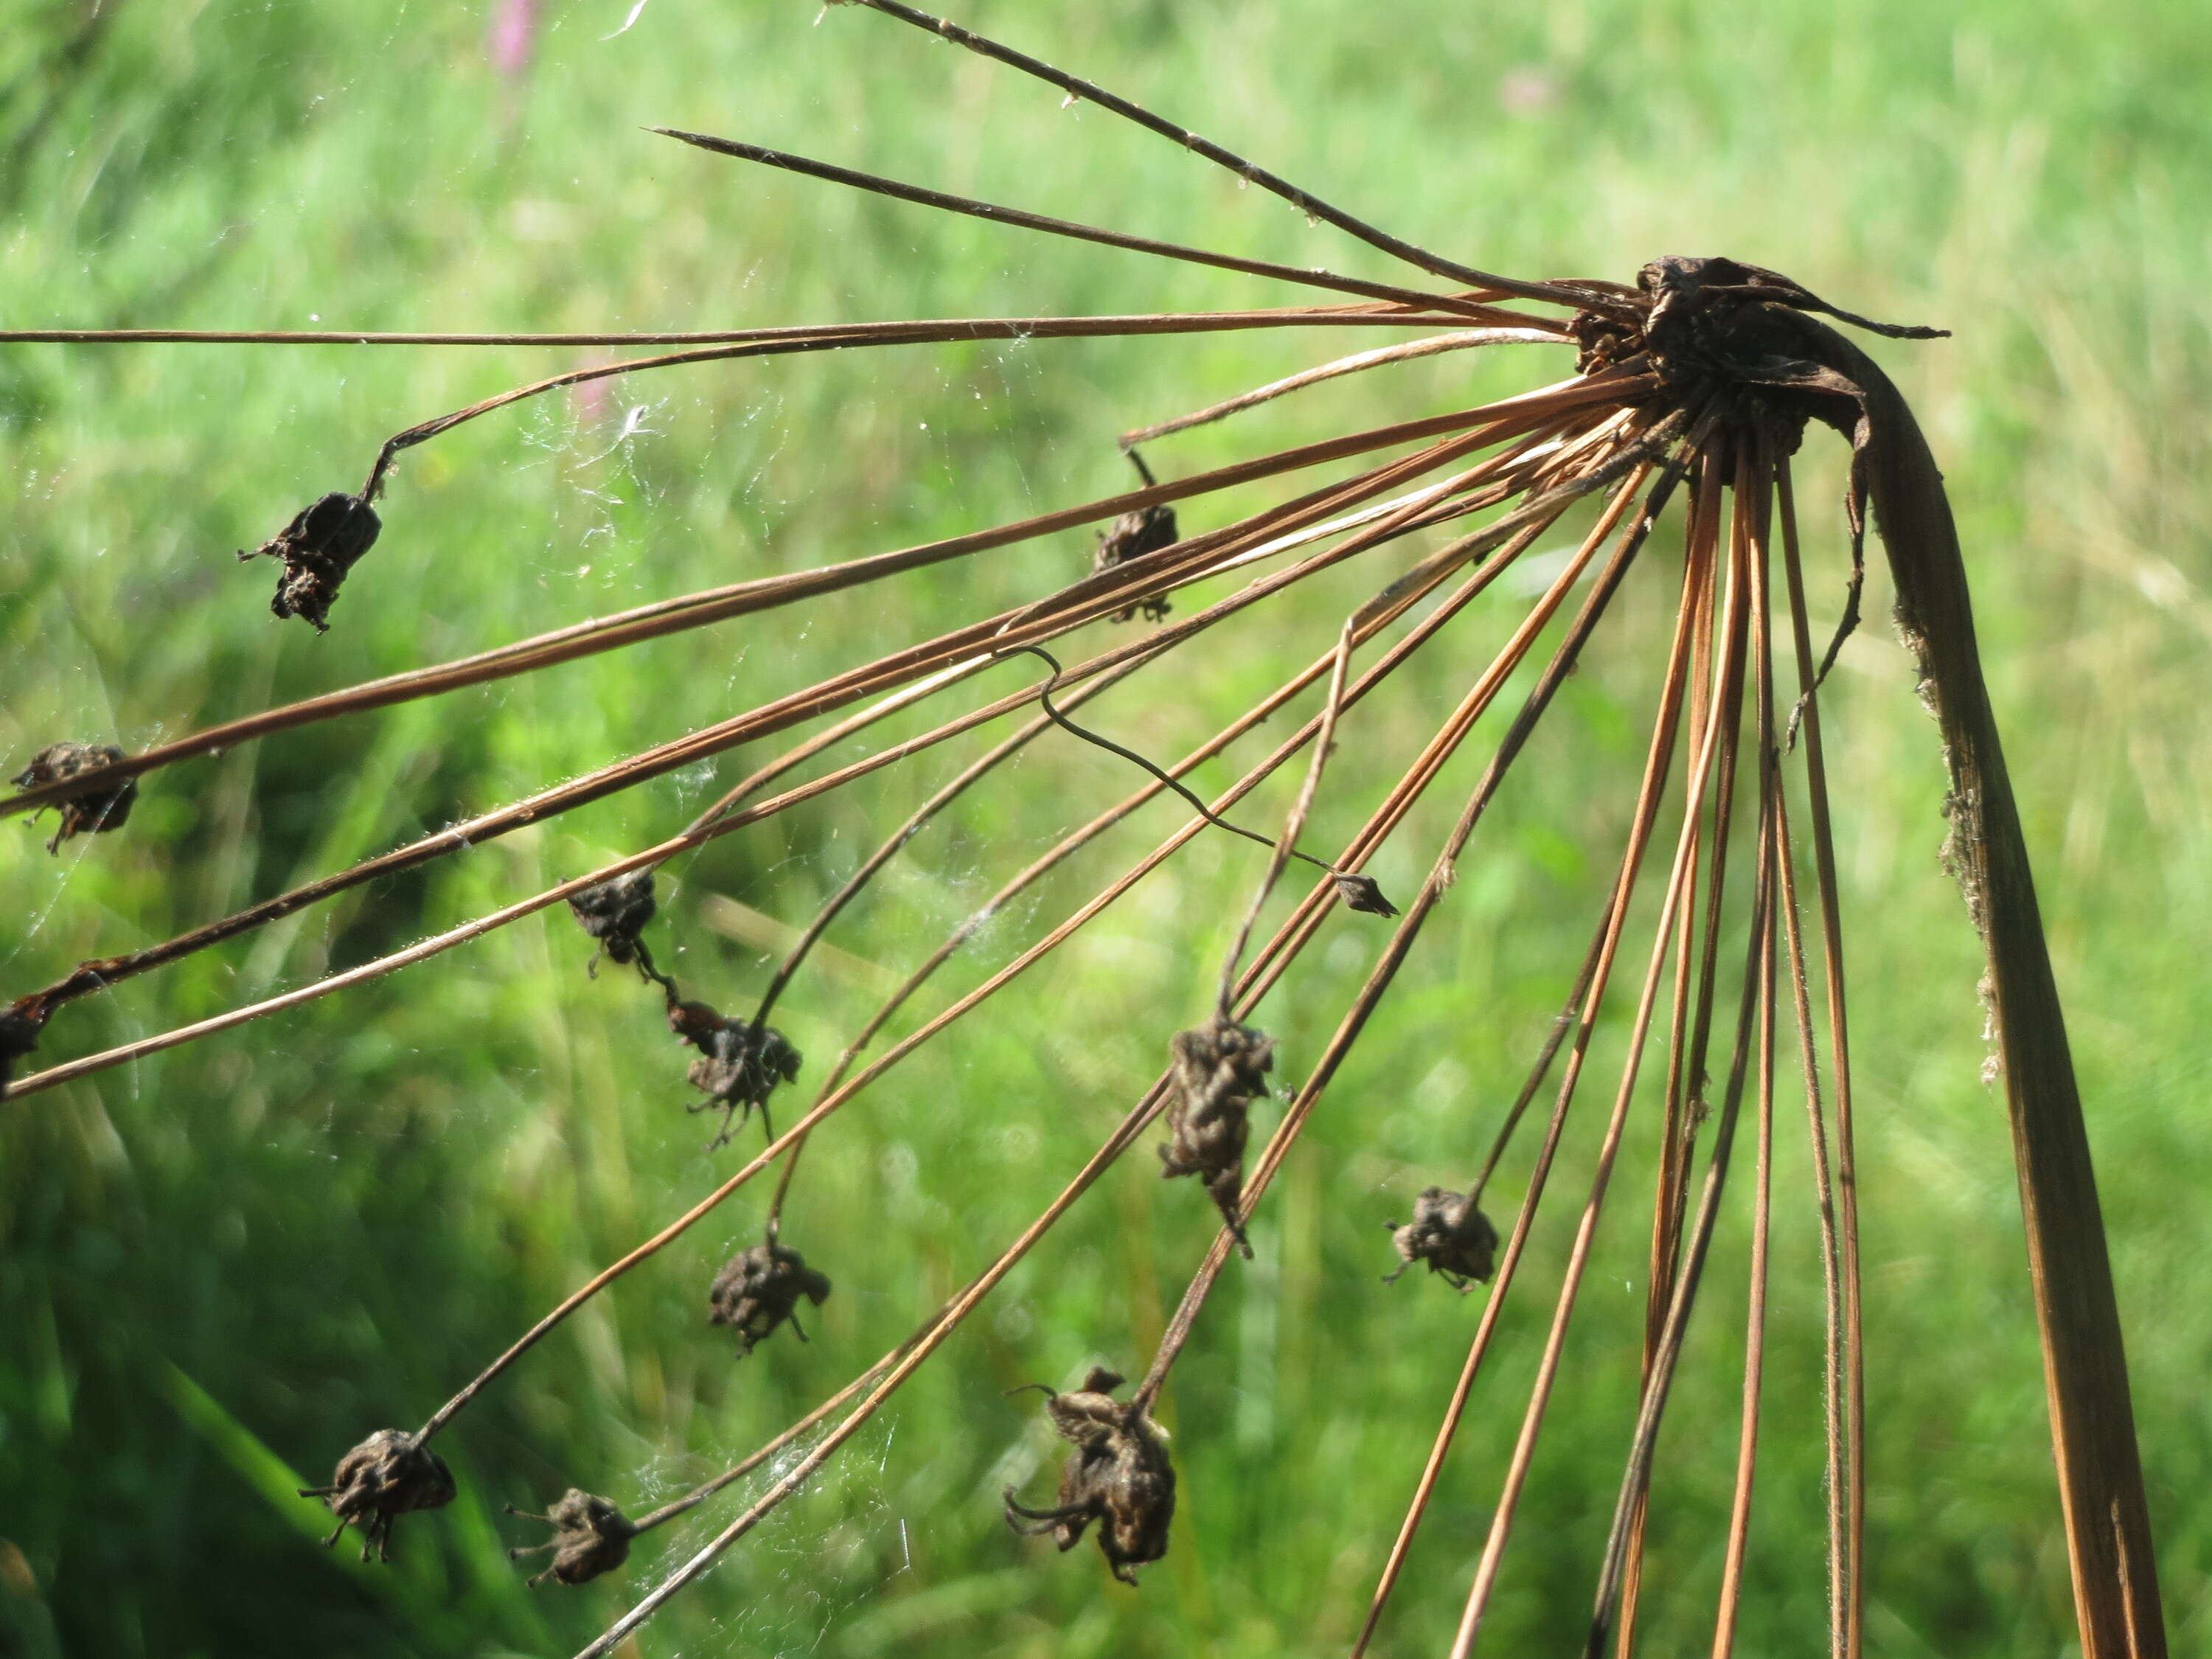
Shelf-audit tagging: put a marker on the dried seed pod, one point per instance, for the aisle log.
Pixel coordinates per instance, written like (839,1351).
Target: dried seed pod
(1361,893)
(19,1026)
(759,1289)
(590,1536)
(386,1476)
(1219,1069)
(1133,535)
(1118,1475)
(615,913)
(93,809)
(317,549)
(739,1066)
(1450,1235)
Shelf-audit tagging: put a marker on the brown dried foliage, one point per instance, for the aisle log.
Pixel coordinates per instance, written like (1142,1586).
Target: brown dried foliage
(1118,1475)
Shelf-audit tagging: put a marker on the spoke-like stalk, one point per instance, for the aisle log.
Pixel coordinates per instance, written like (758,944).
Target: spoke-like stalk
(741,599)
(1853,1543)
(720,819)
(1359,362)
(1583,1010)
(1755,1012)
(870,867)
(1294,826)
(1559,294)
(1180,321)
(1754,484)
(1707,745)
(898,191)
(1695,973)
(1295,1116)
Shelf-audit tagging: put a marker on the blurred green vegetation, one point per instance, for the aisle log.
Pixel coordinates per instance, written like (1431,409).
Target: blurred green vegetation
(221,1267)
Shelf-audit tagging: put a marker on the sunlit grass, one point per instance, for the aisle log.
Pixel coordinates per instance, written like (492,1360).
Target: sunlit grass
(324,1222)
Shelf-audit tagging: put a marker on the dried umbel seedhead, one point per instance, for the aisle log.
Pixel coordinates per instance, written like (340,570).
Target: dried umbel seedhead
(759,1289)
(739,1066)
(1118,1474)
(388,1475)
(615,913)
(590,1536)
(317,549)
(1361,893)
(98,808)
(19,1026)
(1219,1069)
(1133,535)
(1450,1235)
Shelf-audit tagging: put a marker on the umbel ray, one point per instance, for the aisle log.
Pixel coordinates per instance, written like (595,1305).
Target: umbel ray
(1691,389)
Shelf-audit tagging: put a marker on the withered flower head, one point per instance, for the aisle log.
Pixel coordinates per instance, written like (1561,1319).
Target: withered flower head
(1133,535)
(759,1289)
(19,1036)
(615,913)
(388,1475)
(1448,1233)
(590,1536)
(1118,1474)
(317,549)
(1219,1069)
(1361,893)
(739,1065)
(91,811)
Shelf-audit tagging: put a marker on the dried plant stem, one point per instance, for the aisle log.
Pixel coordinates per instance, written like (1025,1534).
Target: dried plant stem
(1279,317)
(1754,484)
(890,846)
(1755,1011)
(877,185)
(1471,588)
(745,1466)
(667,616)
(1832,938)
(707,828)
(1584,1005)
(833,1097)
(1754,1341)
(833,339)
(2107,1519)
(1285,845)
(1385,970)
(1842,1574)
(1311,205)
(1359,362)
(833,1094)
(942,1327)
(884,674)
(1693,1000)
(1707,746)
(1209,555)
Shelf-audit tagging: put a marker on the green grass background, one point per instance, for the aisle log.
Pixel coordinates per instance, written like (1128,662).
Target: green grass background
(221,1267)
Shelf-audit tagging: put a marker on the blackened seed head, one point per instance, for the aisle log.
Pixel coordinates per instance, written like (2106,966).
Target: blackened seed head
(1450,1235)
(19,1036)
(759,1289)
(1147,530)
(615,913)
(591,1536)
(389,1474)
(1360,893)
(317,549)
(97,807)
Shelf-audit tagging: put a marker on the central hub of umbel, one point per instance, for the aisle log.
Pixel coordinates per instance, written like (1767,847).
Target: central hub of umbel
(1718,332)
